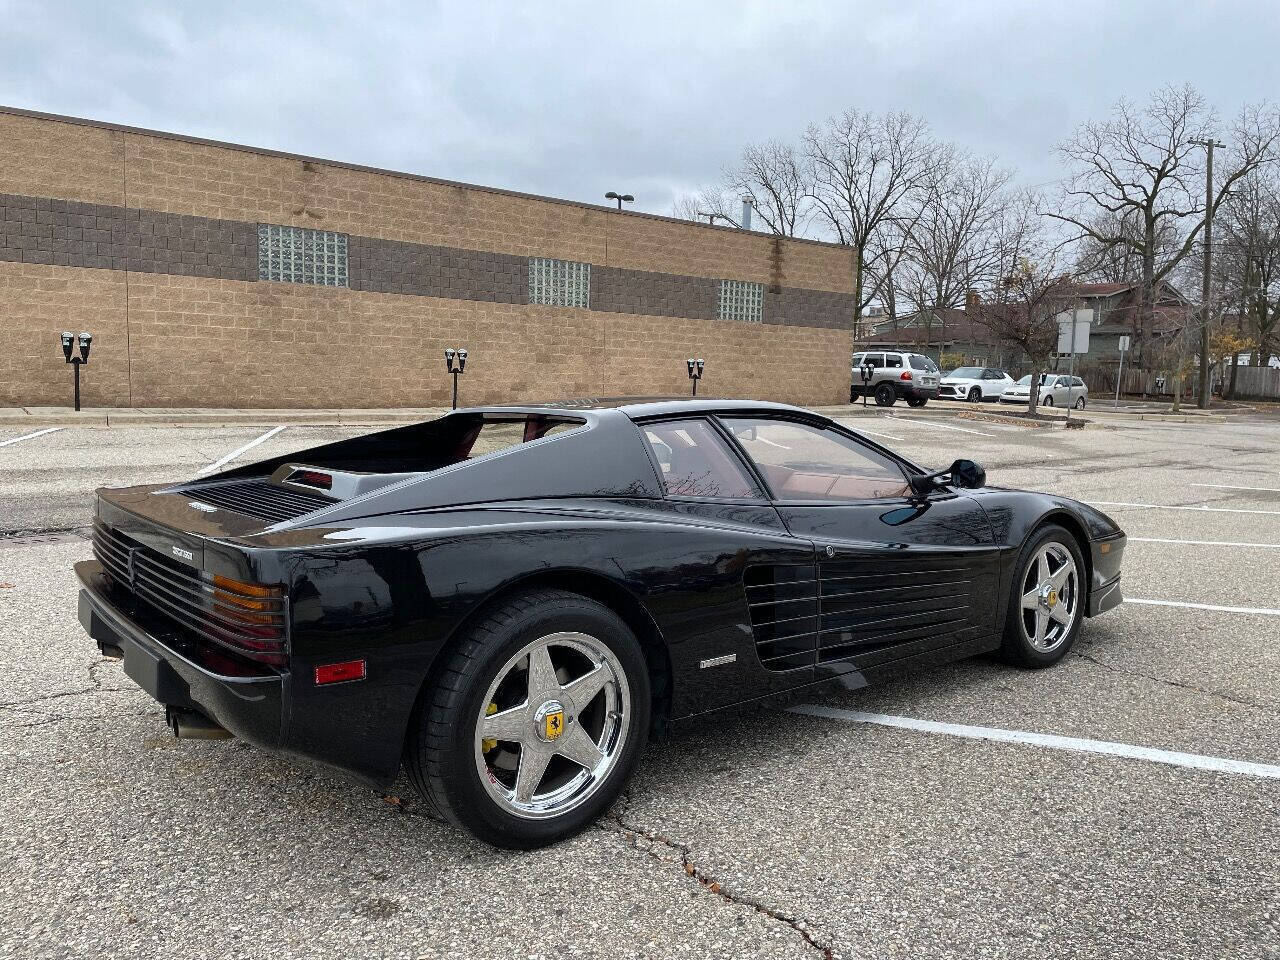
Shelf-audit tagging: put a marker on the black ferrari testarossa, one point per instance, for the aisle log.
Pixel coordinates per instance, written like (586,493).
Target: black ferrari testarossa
(509,600)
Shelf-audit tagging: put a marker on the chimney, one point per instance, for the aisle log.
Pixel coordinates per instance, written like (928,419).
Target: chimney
(971,299)
(747,206)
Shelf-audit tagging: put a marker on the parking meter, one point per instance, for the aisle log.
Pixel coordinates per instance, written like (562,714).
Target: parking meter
(866,371)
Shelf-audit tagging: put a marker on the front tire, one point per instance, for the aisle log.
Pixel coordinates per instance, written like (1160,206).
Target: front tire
(917,401)
(1080,404)
(1047,599)
(536,722)
(1047,402)
(975,394)
(885,395)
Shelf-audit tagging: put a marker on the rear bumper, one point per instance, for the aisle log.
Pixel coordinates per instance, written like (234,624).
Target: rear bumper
(250,707)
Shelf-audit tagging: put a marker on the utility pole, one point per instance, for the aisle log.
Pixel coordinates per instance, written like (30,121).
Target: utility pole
(1208,144)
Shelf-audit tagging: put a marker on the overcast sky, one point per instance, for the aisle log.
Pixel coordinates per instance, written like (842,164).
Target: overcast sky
(573,99)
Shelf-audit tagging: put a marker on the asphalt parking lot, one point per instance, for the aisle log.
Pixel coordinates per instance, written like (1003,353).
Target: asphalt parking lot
(895,827)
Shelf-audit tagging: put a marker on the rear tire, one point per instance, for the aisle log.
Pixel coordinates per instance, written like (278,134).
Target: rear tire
(885,395)
(447,749)
(917,401)
(1046,600)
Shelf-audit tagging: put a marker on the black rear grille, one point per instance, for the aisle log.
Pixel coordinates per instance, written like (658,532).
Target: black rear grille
(802,614)
(222,612)
(258,497)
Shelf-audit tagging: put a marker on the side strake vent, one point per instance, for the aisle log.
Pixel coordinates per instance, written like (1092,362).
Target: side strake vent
(258,497)
(784,605)
(803,614)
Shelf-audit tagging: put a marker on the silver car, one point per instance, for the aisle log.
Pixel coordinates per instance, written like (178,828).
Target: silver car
(1054,390)
(895,376)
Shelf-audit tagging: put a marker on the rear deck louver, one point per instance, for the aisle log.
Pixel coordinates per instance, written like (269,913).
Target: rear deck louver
(258,497)
(803,614)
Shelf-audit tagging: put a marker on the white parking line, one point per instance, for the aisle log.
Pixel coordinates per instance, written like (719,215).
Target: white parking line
(1204,543)
(28,436)
(1195,761)
(1264,611)
(239,450)
(873,433)
(1227,486)
(1166,506)
(940,426)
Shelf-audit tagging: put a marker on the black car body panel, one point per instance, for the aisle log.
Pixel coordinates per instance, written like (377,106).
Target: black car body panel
(733,600)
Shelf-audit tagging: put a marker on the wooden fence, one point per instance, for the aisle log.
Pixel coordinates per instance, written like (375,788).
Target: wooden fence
(1252,383)
(1256,383)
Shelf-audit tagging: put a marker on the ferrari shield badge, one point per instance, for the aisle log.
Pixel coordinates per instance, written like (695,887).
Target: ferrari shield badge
(553,725)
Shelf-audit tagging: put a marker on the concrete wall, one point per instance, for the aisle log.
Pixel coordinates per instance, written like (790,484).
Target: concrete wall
(150,241)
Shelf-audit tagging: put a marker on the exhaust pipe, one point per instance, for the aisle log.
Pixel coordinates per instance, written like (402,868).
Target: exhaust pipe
(191,725)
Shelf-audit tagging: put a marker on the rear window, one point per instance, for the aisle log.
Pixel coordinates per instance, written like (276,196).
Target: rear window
(921,362)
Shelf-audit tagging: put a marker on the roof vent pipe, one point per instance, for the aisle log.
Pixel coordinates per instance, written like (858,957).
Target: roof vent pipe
(747,205)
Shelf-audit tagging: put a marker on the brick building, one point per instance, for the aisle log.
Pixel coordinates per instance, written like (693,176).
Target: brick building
(218,275)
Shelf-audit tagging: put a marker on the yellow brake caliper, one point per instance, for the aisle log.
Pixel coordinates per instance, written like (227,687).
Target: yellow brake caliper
(488,743)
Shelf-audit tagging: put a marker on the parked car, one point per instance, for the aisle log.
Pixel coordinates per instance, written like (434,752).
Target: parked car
(974,384)
(1055,391)
(898,376)
(508,600)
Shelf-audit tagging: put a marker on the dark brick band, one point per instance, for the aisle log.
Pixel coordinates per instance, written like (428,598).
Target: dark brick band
(73,234)
(618,290)
(390,266)
(68,233)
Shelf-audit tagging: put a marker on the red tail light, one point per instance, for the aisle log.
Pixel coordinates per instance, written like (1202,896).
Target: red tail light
(906,375)
(247,617)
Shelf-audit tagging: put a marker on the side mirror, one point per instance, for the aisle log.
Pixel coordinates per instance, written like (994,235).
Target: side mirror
(968,475)
(963,474)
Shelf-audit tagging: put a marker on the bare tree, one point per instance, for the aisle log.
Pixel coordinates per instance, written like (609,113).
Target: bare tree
(779,184)
(951,245)
(870,171)
(1248,261)
(1028,289)
(1137,181)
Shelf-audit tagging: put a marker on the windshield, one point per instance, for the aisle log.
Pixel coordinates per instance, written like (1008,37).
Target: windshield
(966,373)
(1026,381)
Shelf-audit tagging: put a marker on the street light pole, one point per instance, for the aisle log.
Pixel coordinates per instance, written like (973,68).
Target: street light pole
(1208,144)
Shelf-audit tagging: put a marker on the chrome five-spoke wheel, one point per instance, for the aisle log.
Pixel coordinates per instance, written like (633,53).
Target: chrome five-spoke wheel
(554,723)
(1050,591)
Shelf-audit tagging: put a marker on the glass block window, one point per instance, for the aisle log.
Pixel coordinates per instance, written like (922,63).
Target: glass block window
(559,283)
(741,300)
(299,255)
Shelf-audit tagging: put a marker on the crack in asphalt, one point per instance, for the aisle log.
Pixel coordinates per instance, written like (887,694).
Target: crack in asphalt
(95,686)
(1116,668)
(638,837)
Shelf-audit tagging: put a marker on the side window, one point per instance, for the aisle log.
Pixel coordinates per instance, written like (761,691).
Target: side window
(696,461)
(875,359)
(893,360)
(1077,382)
(802,462)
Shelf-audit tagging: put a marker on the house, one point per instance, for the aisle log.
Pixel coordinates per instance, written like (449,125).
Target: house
(1115,308)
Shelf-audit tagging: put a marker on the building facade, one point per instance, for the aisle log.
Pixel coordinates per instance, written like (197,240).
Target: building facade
(217,275)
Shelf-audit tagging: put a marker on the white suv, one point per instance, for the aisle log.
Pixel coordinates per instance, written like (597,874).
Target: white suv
(974,384)
(896,376)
